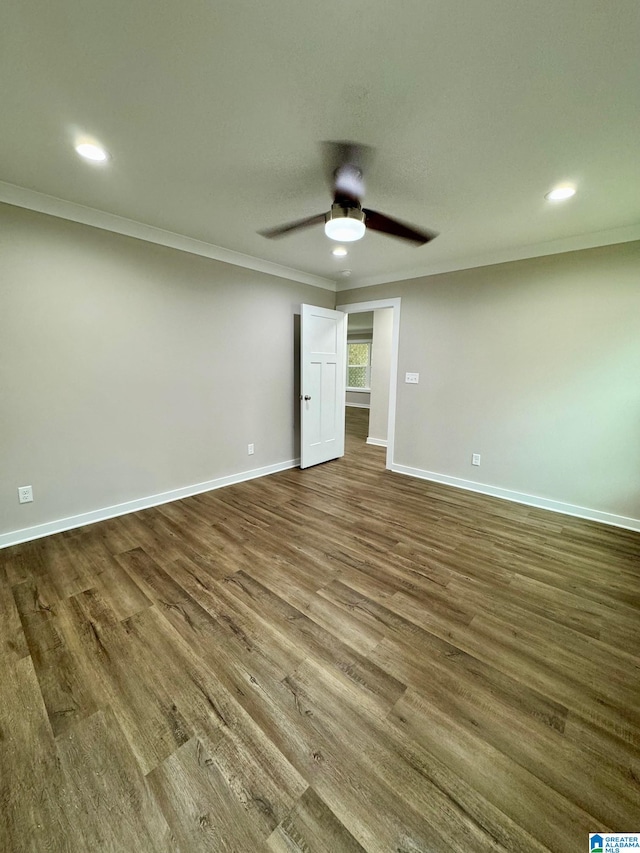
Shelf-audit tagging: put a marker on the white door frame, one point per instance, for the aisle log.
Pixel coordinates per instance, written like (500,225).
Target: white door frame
(358,308)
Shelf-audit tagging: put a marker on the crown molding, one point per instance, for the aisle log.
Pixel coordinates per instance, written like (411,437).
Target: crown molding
(42,203)
(53,206)
(501,256)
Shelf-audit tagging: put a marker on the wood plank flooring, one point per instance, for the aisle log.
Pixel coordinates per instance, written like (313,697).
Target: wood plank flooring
(340,659)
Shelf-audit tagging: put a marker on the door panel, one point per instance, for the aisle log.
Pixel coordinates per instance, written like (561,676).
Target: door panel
(323,354)
(312,416)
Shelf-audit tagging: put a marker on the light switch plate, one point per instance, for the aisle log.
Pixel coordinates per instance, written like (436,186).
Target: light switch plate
(412,378)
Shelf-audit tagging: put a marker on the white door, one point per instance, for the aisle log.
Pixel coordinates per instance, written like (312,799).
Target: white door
(323,348)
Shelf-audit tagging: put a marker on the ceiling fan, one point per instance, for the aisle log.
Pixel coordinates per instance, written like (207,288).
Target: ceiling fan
(348,220)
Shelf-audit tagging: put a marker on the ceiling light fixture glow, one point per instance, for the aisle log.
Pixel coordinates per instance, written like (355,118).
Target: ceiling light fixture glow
(91,151)
(345,224)
(339,252)
(560,193)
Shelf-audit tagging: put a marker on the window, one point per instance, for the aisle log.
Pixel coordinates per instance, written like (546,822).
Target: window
(359,365)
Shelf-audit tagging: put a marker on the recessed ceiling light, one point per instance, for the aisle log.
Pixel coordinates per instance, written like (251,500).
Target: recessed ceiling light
(560,193)
(339,252)
(91,151)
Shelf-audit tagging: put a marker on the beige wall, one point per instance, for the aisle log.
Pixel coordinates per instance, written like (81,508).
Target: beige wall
(358,398)
(360,325)
(534,364)
(380,373)
(129,369)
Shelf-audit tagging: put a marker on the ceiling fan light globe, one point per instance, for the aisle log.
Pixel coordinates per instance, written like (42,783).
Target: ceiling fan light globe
(345,223)
(344,229)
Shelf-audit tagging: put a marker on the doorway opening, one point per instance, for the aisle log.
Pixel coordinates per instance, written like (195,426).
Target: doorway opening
(372,356)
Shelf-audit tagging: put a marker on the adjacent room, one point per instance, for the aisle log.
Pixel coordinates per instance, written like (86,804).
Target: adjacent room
(319,427)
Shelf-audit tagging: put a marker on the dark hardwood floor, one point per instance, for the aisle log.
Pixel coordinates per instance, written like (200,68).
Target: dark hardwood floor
(340,659)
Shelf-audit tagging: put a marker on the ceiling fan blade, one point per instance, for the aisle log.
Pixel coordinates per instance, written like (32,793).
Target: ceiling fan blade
(386,225)
(281,230)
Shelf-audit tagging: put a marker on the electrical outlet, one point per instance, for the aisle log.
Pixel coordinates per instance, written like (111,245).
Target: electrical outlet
(250,449)
(412,378)
(25,494)
(475,459)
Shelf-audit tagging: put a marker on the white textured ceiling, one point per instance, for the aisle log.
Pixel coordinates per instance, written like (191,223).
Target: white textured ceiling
(213,113)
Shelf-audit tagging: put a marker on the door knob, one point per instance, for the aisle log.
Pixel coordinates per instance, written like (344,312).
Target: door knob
(307,397)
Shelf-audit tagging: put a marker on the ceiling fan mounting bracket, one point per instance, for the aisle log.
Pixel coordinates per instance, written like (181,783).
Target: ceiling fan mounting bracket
(347,171)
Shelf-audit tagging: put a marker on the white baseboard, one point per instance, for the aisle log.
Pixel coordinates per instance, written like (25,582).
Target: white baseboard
(26,534)
(15,537)
(519,497)
(379,442)
(358,405)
